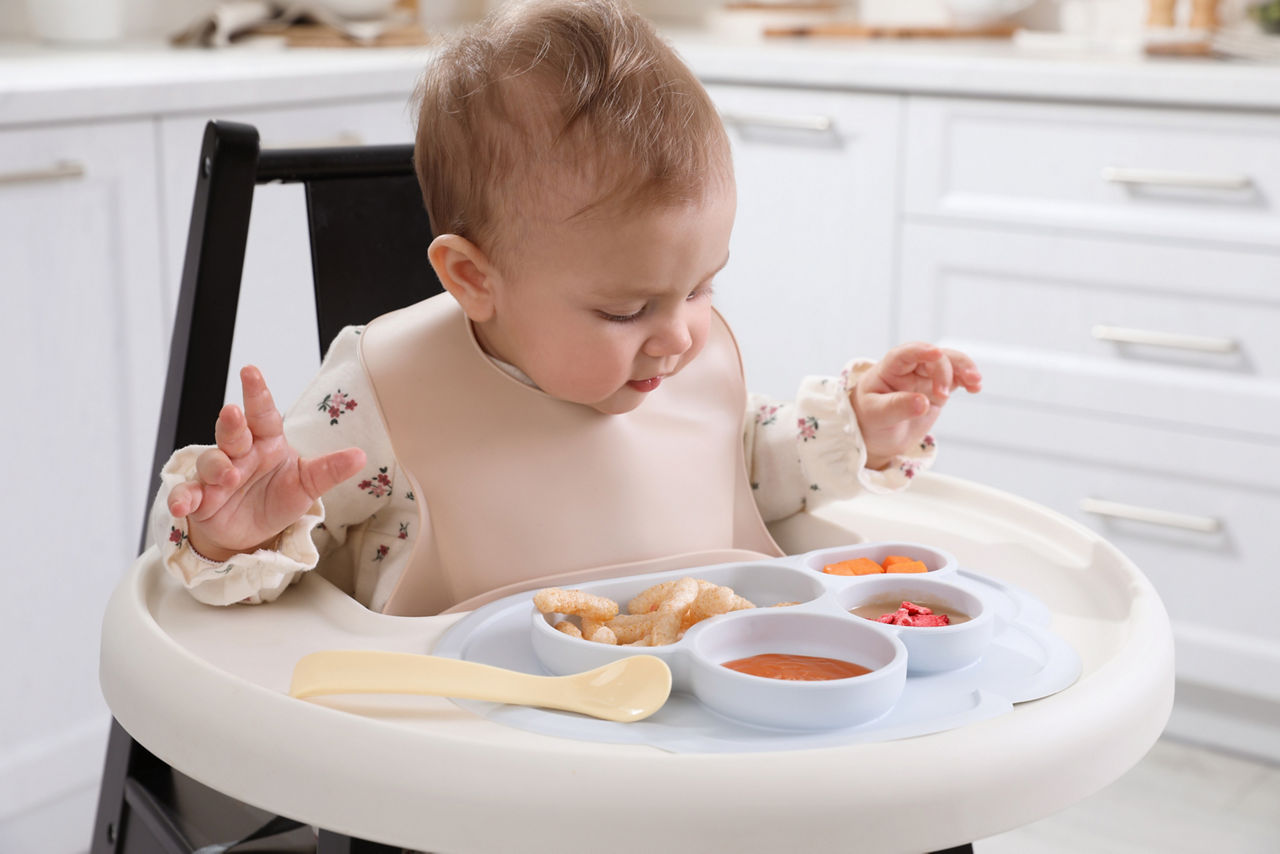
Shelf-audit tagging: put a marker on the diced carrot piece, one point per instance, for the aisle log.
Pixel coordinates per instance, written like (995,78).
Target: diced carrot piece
(909,566)
(892,559)
(855,566)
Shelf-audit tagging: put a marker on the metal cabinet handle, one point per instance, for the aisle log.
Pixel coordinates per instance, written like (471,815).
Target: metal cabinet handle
(1174,340)
(59,171)
(342,139)
(1173,178)
(1136,513)
(775,121)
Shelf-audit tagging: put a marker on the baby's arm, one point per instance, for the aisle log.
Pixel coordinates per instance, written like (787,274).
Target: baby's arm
(817,446)
(898,399)
(252,484)
(234,521)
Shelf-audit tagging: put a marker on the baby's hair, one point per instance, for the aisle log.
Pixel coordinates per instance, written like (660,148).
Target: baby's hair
(549,97)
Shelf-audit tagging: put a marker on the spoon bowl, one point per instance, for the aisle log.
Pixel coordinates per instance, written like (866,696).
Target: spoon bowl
(629,689)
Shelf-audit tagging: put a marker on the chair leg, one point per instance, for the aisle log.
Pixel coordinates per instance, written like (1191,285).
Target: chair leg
(111,792)
(125,759)
(145,807)
(336,843)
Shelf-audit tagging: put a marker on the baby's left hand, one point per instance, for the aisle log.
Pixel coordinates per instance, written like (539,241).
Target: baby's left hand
(899,399)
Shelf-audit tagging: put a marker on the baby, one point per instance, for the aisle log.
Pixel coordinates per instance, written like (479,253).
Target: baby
(573,406)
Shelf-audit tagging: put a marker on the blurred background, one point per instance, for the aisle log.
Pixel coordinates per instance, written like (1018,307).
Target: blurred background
(1083,194)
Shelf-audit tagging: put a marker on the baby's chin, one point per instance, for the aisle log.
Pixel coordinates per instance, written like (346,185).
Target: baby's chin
(619,404)
(616,401)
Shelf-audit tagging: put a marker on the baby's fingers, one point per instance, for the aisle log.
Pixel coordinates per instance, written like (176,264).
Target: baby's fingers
(185,498)
(965,370)
(214,468)
(261,415)
(887,409)
(907,359)
(320,474)
(939,373)
(232,433)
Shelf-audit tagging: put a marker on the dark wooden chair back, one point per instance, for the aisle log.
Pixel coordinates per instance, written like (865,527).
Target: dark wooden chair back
(369,237)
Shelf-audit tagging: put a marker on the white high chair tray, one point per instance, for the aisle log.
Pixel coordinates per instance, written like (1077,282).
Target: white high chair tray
(205,689)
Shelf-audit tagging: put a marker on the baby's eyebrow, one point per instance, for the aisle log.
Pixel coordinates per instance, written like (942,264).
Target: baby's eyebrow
(642,292)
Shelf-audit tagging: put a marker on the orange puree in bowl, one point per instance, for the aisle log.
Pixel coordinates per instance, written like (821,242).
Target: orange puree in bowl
(797,668)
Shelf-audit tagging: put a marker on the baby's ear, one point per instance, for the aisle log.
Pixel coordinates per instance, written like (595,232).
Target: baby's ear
(465,272)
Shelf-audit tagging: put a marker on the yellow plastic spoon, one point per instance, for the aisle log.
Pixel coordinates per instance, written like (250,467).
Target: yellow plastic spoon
(629,689)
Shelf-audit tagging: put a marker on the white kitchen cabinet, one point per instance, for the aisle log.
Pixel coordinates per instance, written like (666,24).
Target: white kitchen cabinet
(1115,272)
(1190,174)
(1179,433)
(809,280)
(84,331)
(275,322)
(1169,332)
(1216,579)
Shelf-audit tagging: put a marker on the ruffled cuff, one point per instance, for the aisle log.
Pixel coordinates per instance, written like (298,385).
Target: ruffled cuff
(832,451)
(260,576)
(901,469)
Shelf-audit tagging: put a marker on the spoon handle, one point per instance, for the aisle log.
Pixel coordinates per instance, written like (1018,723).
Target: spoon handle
(368,671)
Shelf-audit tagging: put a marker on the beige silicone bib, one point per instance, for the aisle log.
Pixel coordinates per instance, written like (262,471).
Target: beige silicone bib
(523,490)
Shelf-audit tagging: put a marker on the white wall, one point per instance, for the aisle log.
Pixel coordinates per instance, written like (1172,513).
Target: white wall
(49,789)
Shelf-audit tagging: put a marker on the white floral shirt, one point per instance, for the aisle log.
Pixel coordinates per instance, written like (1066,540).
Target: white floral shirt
(361,532)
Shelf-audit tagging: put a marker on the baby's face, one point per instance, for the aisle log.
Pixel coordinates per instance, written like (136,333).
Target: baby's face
(599,311)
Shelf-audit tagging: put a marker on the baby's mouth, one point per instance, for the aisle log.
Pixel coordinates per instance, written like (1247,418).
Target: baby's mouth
(645,385)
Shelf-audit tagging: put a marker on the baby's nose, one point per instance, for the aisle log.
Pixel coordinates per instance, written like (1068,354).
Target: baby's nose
(671,339)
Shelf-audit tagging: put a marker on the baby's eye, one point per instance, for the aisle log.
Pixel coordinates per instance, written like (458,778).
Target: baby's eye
(704,291)
(621,318)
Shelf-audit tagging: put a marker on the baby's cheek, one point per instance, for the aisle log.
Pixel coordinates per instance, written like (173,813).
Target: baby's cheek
(699,336)
(590,378)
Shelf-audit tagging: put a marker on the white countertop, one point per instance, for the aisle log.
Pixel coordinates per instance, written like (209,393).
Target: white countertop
(990,68)
(41,84)
(45,84)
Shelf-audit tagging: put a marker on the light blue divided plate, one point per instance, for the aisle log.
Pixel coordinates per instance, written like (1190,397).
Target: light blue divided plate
(1025,661)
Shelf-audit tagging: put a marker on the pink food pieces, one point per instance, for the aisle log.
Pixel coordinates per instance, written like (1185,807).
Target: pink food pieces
(911,614)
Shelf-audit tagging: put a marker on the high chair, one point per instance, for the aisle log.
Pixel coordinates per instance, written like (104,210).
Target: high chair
(200,698)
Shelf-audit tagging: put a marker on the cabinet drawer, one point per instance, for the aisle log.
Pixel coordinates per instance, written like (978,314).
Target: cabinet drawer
(1217,582)
(1190,174)
(1184,335)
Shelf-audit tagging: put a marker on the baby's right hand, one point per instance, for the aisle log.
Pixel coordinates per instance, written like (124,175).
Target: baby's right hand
(253,484)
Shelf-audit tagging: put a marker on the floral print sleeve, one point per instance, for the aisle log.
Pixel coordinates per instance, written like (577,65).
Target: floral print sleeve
(812,447)
(355,532)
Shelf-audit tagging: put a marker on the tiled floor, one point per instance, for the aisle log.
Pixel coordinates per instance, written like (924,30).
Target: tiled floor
(1181,799)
